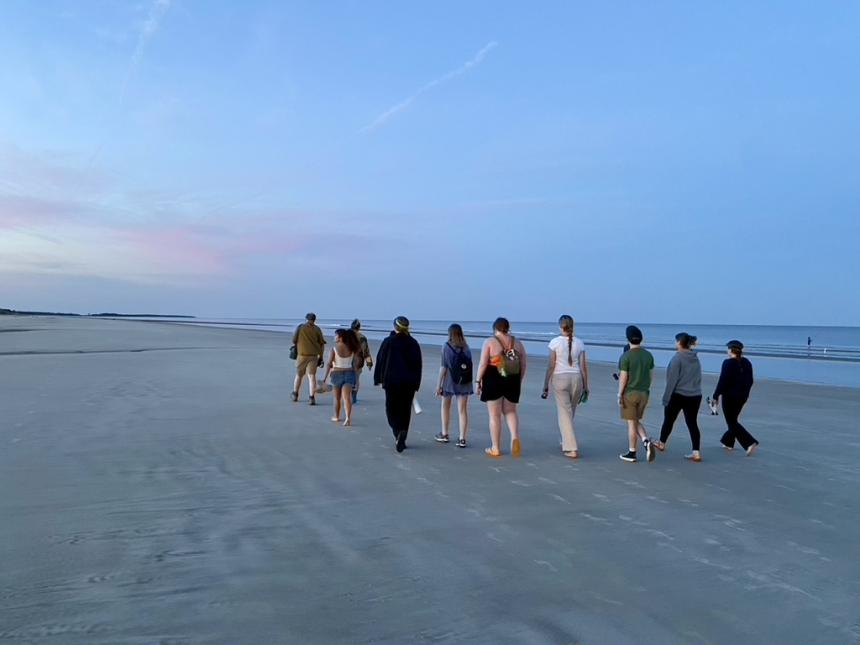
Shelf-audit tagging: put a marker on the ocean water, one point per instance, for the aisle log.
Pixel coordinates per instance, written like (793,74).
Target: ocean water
(778,352)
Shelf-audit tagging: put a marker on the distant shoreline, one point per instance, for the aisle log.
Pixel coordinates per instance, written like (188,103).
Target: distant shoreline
(834,356)
(13,312)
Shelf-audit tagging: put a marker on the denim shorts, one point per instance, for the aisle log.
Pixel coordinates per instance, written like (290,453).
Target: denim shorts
(341,378)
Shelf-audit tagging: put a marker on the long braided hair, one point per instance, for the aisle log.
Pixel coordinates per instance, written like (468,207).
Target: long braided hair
(566,323)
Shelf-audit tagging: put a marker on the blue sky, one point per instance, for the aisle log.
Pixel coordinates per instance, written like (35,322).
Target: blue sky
(663,163)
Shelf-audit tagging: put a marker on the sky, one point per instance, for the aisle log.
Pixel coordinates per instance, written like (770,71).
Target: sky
(659,162)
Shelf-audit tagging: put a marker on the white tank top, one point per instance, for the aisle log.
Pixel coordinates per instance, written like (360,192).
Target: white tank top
(342,362)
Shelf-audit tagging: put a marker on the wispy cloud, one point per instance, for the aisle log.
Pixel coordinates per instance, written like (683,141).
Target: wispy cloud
(386,116)
(147,31)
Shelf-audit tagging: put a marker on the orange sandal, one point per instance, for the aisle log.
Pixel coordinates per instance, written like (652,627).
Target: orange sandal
(492,453)
(516,449)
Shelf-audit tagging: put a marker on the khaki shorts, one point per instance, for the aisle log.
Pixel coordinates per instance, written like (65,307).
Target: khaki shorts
(634,405)
(307,365)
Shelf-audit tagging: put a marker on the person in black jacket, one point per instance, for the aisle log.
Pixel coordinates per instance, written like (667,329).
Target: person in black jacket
(398,370)
(736,381)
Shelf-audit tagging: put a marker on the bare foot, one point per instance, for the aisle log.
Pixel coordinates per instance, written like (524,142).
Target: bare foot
(752,449)
(347,423)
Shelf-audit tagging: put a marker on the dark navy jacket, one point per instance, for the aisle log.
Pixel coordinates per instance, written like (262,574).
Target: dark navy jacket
(736,379)
(398,363)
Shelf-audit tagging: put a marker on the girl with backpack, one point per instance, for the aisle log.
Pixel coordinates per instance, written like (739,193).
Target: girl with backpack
(567,368)
(500,374)
(455,382)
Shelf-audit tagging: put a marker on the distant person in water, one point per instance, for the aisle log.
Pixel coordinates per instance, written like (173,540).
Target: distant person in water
(567,371)
(500,375)
(366,357)
(342,363)
(736,381)
(455,383)
(398,370)
(809,343)
(634,386)
(310,347)
(683,393)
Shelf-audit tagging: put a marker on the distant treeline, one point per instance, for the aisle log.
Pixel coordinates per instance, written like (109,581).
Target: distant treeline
(110,315)
(13,312)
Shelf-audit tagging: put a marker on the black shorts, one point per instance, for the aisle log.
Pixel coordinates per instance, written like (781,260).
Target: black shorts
(494,386)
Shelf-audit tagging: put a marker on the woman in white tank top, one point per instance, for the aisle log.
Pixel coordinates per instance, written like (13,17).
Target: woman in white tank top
(341,366)
(568,371)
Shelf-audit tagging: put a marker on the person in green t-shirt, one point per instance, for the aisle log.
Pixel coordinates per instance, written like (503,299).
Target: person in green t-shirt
(634,386)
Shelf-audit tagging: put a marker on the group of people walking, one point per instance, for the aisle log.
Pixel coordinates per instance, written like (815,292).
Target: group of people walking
(499,376)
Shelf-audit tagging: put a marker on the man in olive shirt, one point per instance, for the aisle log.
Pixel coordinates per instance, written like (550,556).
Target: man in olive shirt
(310,346)
(634,386)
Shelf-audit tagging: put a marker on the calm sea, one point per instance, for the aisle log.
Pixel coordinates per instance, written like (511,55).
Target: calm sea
(779,352)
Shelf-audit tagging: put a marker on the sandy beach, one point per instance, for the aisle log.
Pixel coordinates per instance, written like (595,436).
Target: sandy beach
(160,487)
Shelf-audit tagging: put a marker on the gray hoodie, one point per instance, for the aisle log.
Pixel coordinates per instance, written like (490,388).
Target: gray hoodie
(683,375)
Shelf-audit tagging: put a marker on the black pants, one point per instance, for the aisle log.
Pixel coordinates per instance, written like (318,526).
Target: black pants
(398,408)
(690,406)
(731,411)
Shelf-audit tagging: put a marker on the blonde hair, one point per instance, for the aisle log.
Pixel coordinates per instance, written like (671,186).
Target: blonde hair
(455,336)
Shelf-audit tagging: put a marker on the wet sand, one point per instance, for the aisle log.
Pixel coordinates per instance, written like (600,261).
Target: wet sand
(160,487)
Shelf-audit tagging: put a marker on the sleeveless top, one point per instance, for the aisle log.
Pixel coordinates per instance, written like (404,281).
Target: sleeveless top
(343,362)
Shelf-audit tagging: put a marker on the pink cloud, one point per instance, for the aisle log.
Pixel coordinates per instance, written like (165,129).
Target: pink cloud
(176,248)
(96,228)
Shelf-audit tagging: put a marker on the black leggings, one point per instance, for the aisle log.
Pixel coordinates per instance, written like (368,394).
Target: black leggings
(398,408)
(731,411)
(690,406)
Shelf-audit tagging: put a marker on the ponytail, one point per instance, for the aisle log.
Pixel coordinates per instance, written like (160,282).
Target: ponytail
(686,340)
(736,347)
